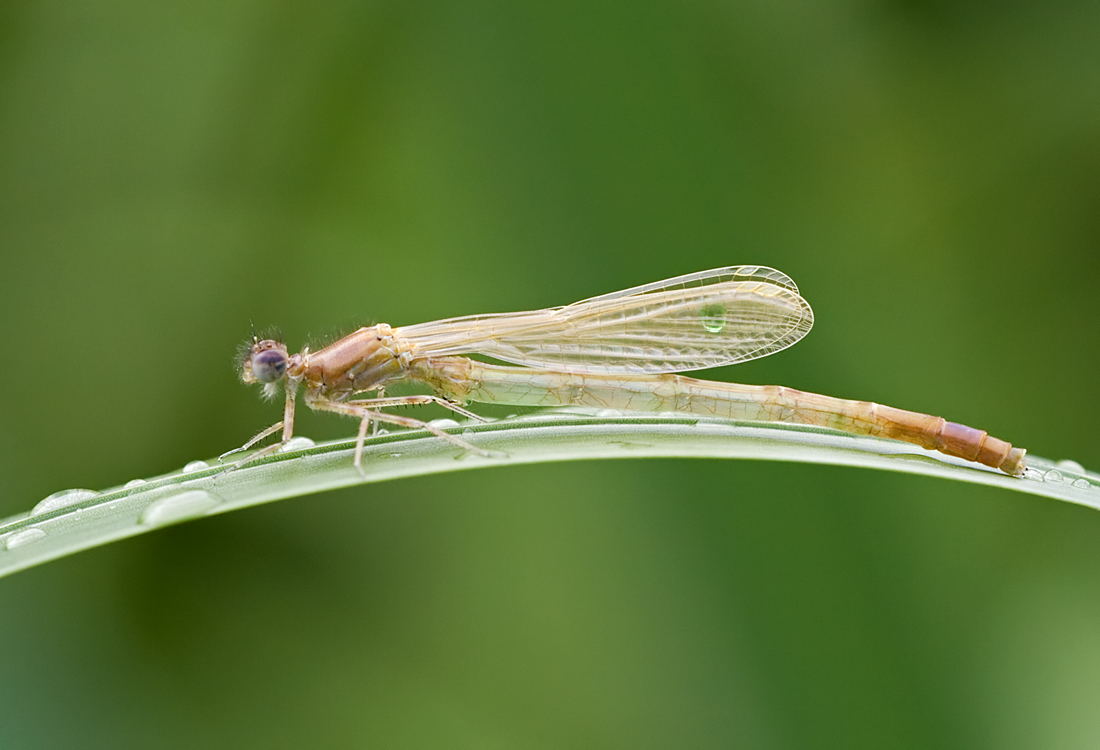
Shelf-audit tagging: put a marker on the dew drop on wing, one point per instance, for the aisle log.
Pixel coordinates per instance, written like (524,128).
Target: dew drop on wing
(443,423)
(714,318)
(1052,476)
(134,483)
(193,466)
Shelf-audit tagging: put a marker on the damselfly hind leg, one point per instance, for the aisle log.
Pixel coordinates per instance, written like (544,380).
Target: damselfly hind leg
(417,400)
(366,411)
(382,402)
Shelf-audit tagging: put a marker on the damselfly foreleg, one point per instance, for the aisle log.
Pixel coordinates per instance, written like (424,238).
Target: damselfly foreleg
(258,437)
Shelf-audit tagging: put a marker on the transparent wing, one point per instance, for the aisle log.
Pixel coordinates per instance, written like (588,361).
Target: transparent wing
(689,322)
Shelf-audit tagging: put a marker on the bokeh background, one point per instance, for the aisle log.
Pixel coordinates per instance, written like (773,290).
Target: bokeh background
(929,173)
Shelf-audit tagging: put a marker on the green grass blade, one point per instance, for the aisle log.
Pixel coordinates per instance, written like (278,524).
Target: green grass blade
(67,523)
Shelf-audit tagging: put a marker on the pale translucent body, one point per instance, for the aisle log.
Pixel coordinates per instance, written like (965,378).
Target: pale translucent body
(616,351)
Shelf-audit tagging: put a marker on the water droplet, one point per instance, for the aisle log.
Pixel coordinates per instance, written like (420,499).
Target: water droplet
(179,506)
(134,483)
(24,537)
(1052,476)
(747,270)
(1071,466)
(714,317)
(1082,484)
(63,499)
(443,423)
(194,466)
(296,444)
(543,416)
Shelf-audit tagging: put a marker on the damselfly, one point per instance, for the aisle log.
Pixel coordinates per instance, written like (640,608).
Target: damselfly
(615,351)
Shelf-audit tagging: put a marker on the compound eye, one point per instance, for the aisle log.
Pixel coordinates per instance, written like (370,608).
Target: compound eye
(268,365)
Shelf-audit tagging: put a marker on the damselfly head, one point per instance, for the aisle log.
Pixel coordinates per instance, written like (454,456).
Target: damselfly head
(266,362)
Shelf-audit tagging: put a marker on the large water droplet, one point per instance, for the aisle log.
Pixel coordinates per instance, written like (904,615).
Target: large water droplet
(296,444)
(1071,466)
(714,317)
(1052,476)
(24,537)
(194,466)
(63,499)
(179,506)
(134,483)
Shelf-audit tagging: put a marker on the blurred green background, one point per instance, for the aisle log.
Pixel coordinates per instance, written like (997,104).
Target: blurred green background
(929,173)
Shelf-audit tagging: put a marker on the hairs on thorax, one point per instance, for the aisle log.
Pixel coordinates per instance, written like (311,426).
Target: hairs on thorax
(317,342)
